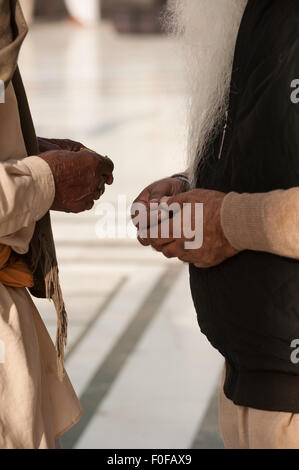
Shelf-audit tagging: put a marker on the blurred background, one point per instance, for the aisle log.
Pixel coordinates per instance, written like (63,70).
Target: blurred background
(105,74)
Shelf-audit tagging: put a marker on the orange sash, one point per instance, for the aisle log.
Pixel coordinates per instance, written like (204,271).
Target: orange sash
(14,272)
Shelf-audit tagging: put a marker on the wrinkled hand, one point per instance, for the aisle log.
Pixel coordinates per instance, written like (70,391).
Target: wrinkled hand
(156,191)
(46,145)
(215,248)
(165,187)
(80,178)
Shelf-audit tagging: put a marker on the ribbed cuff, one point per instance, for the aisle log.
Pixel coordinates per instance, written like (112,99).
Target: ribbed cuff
(44,186)
(242,219)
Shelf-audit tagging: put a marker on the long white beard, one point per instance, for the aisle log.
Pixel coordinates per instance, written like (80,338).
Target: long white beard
(209,31)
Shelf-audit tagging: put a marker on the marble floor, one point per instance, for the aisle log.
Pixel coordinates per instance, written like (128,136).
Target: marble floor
(145,375)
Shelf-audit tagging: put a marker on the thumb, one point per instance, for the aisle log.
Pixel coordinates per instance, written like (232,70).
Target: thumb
(159,201)
(144,197)
(177,199)
(155,194)
(170,206)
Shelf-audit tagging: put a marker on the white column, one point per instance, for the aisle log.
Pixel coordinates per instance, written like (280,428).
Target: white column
(28,10)
(86,12)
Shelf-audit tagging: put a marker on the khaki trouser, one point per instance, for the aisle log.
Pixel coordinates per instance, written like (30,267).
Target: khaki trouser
(247,428)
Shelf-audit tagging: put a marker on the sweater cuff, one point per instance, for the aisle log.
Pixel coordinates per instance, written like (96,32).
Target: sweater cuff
(243,222)
(44,186)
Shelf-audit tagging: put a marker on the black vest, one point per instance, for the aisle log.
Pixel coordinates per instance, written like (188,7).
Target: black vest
(248,306)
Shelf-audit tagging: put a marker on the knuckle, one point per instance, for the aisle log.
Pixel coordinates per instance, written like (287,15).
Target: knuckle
(143,241)
(110,165)
(167,252)
(93,160)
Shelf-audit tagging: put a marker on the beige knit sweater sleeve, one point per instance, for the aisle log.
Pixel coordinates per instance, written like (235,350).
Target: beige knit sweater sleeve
(266,222)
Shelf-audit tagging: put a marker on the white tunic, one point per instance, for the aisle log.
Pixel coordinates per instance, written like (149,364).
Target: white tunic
(35,407)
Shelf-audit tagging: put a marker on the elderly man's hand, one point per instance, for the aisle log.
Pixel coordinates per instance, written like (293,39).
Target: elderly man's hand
(215,248)
(79,177)
(165,187)
(46,145)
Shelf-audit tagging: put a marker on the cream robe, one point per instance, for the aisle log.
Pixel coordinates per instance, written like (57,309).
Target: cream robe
(35,407)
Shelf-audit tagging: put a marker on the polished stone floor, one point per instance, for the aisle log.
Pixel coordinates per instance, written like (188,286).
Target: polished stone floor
(146,376)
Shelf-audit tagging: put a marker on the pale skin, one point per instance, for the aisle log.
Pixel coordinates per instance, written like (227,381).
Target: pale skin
(215,248)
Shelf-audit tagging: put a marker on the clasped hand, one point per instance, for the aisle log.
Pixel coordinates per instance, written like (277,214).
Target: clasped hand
(80,175)
(166,229)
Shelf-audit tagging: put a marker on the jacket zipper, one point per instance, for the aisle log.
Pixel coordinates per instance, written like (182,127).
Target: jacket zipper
(223,136)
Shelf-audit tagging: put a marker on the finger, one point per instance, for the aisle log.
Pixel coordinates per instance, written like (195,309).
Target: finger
(45,145)
(79,207)
(89,206)
(66,144)
(201,265)
(106,168)
(161,247)
(110,180)
(168,189)
(152,217)
(180,199)
(155,192)
(143,242)
(160,243)
(153,236)
(98,194)
(165,232)
(171,251)
(185,258)
(144,197)
(140,216)
(157,213)
(106,165)
(83,203)
(86,197)
(100,188)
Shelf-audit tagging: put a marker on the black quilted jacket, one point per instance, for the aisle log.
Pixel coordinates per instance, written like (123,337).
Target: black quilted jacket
(248,307)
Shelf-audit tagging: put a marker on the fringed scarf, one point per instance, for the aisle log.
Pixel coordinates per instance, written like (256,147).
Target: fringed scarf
(41,258)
